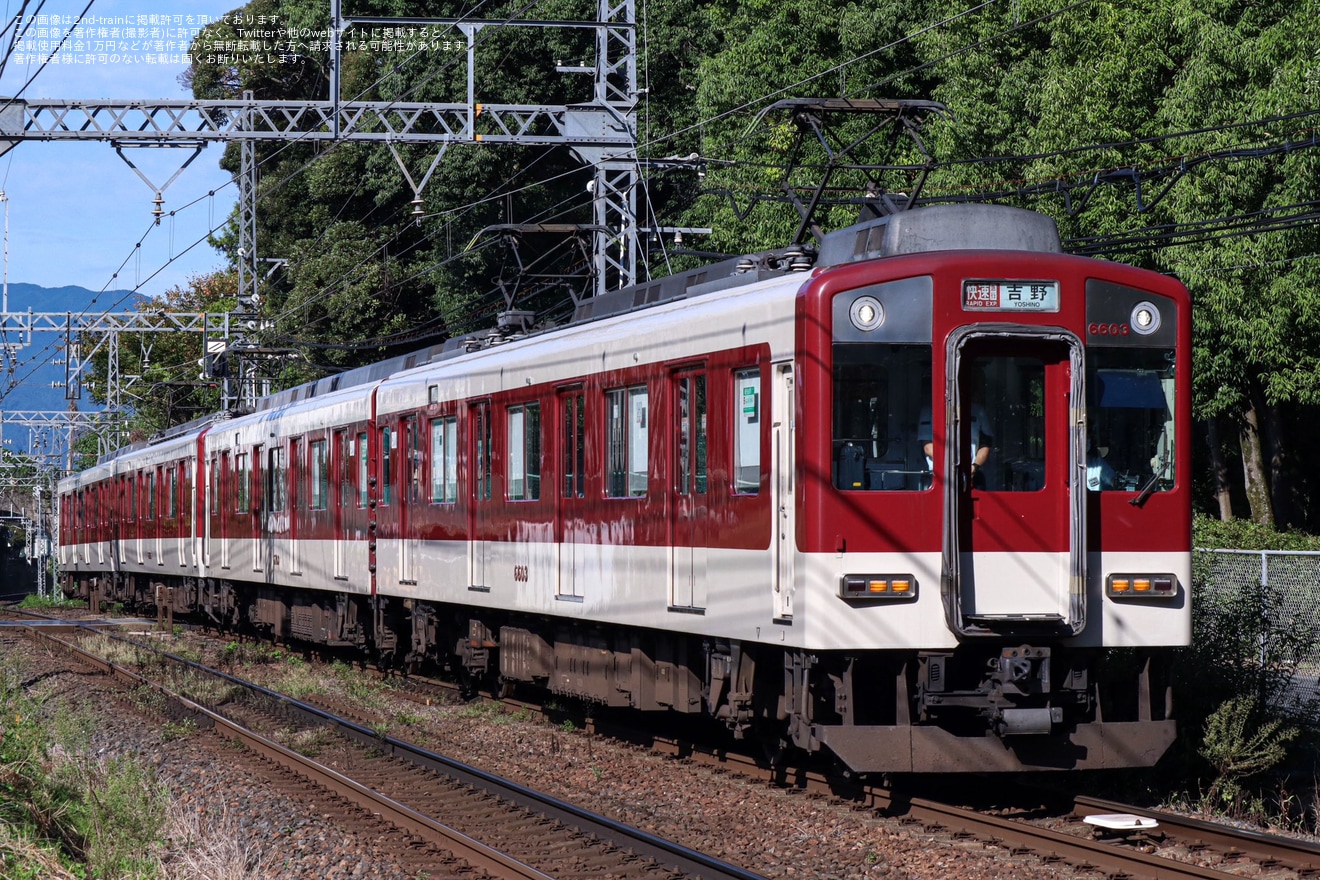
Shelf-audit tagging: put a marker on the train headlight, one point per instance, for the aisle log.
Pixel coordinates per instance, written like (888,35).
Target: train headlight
(1141,586)
(1145,318)
(866,313)
(900,587)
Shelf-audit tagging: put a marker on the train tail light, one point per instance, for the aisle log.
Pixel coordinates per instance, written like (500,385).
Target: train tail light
(1141,586)
(878,586)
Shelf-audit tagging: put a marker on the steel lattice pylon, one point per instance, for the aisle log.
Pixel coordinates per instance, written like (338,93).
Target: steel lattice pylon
(602,132)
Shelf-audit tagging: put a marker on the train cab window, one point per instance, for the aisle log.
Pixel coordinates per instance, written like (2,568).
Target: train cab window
(882,396)
(172,495)
(1130,419)
(318,476)
(524,453)
(444,460)
(130,498)
(243,477)
(626,411)
(747,432)
(214,487)
(151,494)
(276,489)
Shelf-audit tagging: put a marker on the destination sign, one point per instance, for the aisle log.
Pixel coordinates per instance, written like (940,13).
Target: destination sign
(1011,296)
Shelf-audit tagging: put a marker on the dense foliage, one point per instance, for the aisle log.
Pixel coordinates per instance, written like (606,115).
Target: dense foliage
(1172,135)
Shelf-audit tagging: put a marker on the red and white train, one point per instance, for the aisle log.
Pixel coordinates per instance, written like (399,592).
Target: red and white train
(923,505)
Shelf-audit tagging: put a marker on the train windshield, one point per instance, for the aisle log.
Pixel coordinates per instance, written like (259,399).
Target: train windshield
(879,392)
(1130,426)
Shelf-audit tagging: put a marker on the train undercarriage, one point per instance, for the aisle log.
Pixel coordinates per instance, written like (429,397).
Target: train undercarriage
(984,706)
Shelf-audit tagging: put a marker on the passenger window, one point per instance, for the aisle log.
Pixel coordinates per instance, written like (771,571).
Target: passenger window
(444,460)
(747,432)
(243,477)
(364,470)
(574,440)
(275,485)
(626,410)
(385,470)
(318,475)
(524,454)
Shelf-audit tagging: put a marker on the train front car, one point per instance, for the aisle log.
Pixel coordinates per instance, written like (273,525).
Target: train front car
(994,479)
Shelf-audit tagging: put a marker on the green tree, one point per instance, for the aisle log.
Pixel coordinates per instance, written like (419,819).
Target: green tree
(162,381)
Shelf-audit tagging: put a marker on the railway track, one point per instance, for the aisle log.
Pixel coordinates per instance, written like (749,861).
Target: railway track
(1181,847)
(490,824)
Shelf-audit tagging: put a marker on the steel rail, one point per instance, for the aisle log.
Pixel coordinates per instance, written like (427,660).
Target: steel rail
(1300,855)
(666,853)
(1079,851)
(474,852)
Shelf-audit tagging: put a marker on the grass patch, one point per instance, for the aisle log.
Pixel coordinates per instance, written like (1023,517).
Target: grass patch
(33,602)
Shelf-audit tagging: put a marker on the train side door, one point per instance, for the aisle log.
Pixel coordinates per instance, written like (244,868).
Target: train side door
(293,501)
(228,489)
(156,509)
(689,513)
(410,493)
(208,508)
(257,502)
(1016,467)
(784,502)
(341,457)
(479,491)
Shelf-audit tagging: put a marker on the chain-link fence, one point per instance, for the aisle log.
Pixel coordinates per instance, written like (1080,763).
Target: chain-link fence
(1285,587)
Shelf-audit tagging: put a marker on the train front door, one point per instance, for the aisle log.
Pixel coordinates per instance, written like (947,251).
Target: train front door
(690,517)
(1015,491)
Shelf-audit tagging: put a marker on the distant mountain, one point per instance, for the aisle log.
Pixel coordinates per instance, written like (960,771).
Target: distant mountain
(29,380)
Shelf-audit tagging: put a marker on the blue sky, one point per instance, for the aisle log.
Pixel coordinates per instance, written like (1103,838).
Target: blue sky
(76,209)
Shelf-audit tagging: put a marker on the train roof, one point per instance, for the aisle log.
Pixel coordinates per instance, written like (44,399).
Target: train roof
(920,230)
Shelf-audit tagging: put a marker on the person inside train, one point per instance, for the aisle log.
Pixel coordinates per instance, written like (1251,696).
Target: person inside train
(980,440)
(1100,474)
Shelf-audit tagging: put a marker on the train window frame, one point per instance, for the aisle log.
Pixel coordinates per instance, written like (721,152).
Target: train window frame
(318,475)
(443,431)
(411,465)
(1122,384)
(363,471)
(386,494)
(213,487)
(573,440)
(243,480)
(172,495)
(627,444)
(276,475)
(746,442)
(523,454)
(152,482)
(897,375)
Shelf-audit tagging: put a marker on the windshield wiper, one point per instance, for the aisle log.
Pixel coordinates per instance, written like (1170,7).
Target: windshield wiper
(1149,488)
